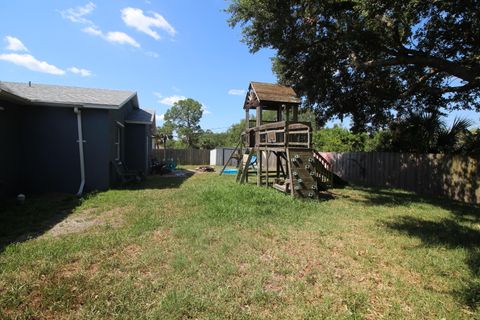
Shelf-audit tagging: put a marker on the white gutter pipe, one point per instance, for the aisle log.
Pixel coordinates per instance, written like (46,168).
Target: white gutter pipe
(80,149)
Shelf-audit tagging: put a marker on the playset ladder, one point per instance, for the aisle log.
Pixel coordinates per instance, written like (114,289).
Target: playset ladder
(242,173)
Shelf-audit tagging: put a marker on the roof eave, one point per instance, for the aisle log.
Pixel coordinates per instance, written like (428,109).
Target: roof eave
(139,122)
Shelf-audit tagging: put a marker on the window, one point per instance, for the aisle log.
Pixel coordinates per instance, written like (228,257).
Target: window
(118,140)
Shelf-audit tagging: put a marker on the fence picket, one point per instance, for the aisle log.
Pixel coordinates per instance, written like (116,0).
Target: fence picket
(452,176)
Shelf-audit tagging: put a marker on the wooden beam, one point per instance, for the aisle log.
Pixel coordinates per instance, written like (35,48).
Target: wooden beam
(259,115)
(295,113)
(259,167)
(267,156)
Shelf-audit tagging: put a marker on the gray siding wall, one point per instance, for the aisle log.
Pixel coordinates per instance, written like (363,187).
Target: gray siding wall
(9,150)
(134,142)
(50,156)
(39,148)
(135,145)
(119,116)
(96,134)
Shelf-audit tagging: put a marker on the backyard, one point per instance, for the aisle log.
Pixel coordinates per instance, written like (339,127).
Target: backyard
(204,247)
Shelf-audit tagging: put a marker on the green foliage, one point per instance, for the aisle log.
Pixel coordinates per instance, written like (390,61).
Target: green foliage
(472,143)
(184,117)
(338,139)
(163,135)
(308,115)
(212,140)
(379,141)
(428,133)
(369,59)
(234,132)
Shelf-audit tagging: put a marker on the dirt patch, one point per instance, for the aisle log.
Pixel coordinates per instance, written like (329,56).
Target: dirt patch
(72,226)
(88,218)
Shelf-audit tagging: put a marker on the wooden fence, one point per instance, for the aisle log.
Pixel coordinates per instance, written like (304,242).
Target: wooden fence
(184,156)
(434,174)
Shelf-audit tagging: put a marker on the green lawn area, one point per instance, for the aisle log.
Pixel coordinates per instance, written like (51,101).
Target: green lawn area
(205,247)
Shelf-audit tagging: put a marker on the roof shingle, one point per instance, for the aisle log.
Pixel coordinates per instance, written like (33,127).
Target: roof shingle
(43,93)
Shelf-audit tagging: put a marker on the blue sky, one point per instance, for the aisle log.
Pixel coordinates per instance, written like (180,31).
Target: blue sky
(163,49)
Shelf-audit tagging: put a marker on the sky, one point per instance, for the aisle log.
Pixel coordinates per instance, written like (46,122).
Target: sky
(165,50)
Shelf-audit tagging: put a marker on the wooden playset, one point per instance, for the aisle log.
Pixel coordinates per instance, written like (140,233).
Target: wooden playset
(279,152)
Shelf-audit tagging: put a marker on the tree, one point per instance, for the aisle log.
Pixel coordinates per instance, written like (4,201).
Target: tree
(338,139)
(210,140)
(472,144)
(369,59)
(234,133)
(428,133)
(308,115)
(163,134)
(184,117)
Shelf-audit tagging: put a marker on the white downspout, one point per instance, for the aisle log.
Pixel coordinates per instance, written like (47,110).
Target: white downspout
(80,149)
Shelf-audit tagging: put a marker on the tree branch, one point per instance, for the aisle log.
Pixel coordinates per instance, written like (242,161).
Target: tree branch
(467,87)
(452,68)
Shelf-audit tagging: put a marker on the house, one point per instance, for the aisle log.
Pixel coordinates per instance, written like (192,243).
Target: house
(68,139)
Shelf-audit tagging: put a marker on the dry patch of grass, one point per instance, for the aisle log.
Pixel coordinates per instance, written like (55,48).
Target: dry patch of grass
(87,219)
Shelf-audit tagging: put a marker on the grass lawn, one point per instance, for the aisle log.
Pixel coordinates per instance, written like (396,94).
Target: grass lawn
(205,247)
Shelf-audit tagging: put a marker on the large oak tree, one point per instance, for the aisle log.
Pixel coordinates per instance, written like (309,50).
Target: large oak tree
(369,59)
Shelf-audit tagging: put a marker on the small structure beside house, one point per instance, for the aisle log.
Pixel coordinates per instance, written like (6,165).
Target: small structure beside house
(220,156)
(70,139)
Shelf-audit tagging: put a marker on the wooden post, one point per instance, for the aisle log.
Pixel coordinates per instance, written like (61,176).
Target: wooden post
(295,113)
(279,114)
(287,118)
(259,116)
(267,156)
(247,119)
(259,167)
(278,165)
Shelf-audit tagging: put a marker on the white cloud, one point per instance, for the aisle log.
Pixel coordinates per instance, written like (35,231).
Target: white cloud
(80,71)
(160,117)
(135,18)
(121,38)
(236,92)
(94,31)
(169,101)
(14,44)
(113,36)
(30,62)
(78,14)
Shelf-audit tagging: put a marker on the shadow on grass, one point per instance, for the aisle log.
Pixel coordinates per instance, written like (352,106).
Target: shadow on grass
(168,181)
(391,198)
(19,223)
(453,232)
(40,213)
(448,233)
